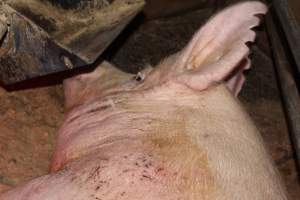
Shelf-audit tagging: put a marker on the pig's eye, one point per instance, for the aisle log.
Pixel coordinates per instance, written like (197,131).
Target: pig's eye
(139,77)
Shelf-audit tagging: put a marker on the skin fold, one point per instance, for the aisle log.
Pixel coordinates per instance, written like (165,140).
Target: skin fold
(175,131)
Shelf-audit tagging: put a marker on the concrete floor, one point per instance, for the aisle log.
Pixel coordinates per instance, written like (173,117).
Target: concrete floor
(29,118)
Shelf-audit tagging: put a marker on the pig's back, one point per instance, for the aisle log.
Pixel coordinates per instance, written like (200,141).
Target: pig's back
(192,148)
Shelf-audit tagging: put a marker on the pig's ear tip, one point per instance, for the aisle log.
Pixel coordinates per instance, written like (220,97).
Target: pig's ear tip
(259,6)
(256,3)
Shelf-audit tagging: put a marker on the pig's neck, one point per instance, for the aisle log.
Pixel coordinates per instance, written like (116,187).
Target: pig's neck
(207,135)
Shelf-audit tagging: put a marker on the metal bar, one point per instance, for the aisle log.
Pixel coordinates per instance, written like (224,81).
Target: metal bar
(290,94)
(290,26)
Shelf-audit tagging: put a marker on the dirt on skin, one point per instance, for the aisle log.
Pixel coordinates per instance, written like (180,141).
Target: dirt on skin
(30,118)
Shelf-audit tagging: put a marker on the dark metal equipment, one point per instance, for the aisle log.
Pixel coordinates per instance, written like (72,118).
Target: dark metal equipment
(289,17)
(284,33)
(40,37)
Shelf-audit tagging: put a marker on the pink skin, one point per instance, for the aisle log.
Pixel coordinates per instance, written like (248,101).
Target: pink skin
(153,138)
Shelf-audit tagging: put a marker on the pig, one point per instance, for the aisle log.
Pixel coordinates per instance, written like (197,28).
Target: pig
(176,131)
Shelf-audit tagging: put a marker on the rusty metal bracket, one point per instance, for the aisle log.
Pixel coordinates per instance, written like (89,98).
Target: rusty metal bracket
(41,37)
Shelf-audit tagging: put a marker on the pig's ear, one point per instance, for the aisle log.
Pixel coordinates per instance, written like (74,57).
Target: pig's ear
(218,52)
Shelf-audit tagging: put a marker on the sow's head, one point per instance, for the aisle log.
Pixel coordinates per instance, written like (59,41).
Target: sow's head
(216,54)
